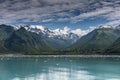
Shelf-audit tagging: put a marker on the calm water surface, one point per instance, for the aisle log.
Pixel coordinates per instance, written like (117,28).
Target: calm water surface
(55,68)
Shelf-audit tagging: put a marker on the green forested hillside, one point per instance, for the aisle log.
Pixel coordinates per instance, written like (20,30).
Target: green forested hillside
(5,32)
(27,42)
(58,44)
(21,41)
(101,40)
(114,48)
(98,39)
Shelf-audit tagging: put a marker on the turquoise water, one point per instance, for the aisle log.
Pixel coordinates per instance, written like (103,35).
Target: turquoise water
(55,68)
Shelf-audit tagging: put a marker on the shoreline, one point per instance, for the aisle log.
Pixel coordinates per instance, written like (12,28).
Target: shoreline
(86,56)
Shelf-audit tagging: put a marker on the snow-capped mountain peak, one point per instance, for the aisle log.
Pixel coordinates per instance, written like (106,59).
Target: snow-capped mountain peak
(65,33)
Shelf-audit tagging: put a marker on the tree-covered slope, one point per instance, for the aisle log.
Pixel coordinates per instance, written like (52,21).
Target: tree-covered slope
(98,39)
(26,42)
(5,32)
(114,48)
(57,43)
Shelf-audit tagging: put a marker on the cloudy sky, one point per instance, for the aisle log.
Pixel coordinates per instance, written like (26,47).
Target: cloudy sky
(59,13)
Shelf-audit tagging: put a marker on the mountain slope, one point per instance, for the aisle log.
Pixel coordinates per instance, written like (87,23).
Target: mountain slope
(98,39)
(5,32)
(22,41)
(57,43)
(114,48)
(58,38)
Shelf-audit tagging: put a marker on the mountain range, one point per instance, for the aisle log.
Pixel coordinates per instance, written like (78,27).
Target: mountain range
(63,38)
(41,40)
(97,40)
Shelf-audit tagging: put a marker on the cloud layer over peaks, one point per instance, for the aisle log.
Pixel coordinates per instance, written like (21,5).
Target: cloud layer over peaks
(79,32)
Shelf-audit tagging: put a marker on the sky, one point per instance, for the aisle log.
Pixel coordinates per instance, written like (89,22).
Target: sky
(74,14)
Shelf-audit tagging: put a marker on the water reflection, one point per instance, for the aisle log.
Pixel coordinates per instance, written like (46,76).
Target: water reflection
(60,74)
(60,69)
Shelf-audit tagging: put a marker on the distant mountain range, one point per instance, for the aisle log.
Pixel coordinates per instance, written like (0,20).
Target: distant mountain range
(58,33)
(36,39)
(57,38)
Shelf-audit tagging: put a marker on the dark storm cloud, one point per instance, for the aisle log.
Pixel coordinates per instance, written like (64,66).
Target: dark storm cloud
(12,11)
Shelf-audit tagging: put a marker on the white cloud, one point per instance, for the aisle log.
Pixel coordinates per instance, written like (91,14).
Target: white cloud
(59,31)
(66,29)
(114,15)
(78,31)
(81,32)
(95,13)
(113,23)
(56,10)
(47,20)
(109,13)
(38,27)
